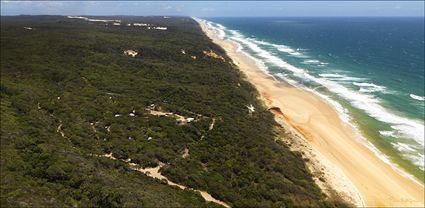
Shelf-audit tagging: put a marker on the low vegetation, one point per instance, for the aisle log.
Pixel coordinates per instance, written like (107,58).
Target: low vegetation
(69,91)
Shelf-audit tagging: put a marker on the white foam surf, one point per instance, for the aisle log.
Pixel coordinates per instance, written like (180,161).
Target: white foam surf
(367,90)
(339,77)
(281,48)
(410,153)
(331,75)
(401,126)
(286,79)
(366,84)
(346,78)
(217,28)
(416,97)
(403,147)
(404,126)
(311,61)
(387,133)
(314,62)
(369,87)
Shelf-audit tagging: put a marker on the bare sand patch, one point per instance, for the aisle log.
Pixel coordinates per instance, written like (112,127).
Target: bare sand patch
(155,172)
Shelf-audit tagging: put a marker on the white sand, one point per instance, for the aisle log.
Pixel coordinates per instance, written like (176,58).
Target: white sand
(377,182)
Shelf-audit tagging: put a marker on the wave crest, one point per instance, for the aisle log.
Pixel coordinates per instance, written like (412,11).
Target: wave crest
(416,97)
(401,127)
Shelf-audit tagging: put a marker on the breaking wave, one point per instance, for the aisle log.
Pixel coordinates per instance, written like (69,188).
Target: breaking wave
(401,127)
(421,98)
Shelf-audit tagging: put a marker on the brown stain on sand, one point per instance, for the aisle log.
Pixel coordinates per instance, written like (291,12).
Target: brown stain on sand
(266,98)
(376,183)
(278,113)
(307,135)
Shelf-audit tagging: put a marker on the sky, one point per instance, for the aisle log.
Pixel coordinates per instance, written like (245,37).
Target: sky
(216,8)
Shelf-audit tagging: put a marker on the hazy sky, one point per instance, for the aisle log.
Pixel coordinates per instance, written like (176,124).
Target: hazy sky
(216,8)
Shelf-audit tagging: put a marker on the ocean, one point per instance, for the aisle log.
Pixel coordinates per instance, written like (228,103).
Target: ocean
(370,69)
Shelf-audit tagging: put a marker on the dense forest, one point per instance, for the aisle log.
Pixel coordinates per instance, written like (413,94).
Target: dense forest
(70,93)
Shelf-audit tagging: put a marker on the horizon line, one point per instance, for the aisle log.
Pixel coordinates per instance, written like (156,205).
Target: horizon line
(115,15)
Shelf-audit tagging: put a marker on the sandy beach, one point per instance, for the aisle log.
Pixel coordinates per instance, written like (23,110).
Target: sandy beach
(352,164)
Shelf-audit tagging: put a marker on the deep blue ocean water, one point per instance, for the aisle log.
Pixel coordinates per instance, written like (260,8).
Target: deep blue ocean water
(371,69)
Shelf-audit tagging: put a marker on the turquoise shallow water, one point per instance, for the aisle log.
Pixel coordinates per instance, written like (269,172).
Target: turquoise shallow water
(370,69)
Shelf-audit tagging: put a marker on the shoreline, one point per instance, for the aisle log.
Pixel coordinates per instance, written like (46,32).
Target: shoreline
(351,168)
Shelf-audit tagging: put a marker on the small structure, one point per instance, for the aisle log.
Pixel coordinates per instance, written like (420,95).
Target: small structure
(131,53)
(149,138)
(189,120)
(183,51)
(251,109)
(116,23)
(28,28)
(117,115)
